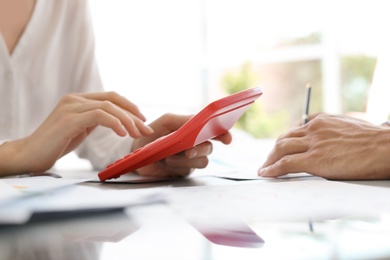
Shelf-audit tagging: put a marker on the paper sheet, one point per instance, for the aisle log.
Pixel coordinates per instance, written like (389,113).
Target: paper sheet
(132,178)
(239,160)
(8,192)
(75,198)
(37,185)
(289,200)
(14,192)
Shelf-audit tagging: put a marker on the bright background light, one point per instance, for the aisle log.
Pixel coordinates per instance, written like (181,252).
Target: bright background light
(161,54)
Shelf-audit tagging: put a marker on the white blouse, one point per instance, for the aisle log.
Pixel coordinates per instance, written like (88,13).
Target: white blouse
(54,56)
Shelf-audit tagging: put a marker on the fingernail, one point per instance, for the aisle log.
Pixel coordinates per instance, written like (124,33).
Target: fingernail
(149,129)
(137,132)
(262,172)
(123,131)
(142,117)
(193,153)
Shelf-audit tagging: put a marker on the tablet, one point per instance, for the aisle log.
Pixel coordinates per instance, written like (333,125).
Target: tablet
(215,119)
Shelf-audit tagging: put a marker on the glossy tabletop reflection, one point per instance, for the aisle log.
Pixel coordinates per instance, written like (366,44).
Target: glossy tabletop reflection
(157,232)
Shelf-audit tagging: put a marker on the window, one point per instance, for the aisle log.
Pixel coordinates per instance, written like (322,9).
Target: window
(175,56)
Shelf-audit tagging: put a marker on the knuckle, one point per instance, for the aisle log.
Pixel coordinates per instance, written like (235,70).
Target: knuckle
(317,154)
(68,98)
(203,162)
(98,113)
(105,104)
(284,164)
(112,94)
(315,124)
(280,145)
(168,116)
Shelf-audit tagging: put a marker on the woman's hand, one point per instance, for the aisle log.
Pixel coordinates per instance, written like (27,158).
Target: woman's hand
(333,147)
(74,117)
(178,165)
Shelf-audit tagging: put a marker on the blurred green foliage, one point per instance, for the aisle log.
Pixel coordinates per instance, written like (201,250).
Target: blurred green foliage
(255,120)
(312,38)
(281,105)
(356,78)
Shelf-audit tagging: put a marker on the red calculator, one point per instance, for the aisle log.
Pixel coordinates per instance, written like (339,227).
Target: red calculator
(215,119)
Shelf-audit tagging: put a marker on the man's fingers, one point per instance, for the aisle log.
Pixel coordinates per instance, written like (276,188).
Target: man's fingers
(297,131)
(286,147)
(294,163)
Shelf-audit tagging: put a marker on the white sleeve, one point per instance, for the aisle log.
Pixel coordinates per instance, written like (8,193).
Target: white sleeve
(102,146)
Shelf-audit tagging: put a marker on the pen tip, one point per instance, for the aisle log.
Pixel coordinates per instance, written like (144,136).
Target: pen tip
(308,85)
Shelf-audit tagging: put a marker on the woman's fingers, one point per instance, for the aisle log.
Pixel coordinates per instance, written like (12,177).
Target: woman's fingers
(116,99)
(99,117)
(140,126)
(131,122)
(224,138)
(134,125)
(201,150)
(72,120)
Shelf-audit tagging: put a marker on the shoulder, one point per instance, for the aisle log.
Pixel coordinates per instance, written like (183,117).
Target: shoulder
(71,9)
(66,17)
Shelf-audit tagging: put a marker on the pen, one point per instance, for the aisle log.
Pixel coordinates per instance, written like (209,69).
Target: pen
(305,116)
(305,119)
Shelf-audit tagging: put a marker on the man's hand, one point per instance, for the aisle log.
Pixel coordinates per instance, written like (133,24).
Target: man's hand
(333,147)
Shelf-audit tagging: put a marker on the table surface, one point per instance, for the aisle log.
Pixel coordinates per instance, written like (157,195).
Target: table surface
(155,231)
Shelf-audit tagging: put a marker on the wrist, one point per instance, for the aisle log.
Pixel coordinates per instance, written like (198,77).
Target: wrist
(12,159)
(382,148)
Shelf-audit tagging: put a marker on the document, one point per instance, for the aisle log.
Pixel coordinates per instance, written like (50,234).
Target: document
(8,192)
(40,184)
(239,160)
(35,195)
(288,200)
(14,192)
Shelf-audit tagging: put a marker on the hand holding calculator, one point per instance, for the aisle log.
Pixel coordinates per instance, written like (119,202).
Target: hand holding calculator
(215,119)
